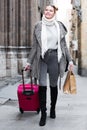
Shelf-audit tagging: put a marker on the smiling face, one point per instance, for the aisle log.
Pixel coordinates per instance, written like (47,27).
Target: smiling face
(49,12)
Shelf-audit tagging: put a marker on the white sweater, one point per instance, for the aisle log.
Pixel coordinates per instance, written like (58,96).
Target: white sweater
(52,37)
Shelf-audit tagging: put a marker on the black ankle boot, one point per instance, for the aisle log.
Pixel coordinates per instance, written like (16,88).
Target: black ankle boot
(52,114)
(53,94)
(42,98)
(43,119)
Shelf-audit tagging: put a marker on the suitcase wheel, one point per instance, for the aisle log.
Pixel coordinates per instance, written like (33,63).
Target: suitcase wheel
(21,110)
(38,110)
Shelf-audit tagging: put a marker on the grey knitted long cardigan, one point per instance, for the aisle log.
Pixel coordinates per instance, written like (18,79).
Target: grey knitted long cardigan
(34,57)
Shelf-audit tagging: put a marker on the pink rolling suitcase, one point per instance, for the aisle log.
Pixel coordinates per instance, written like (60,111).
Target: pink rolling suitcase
(28,97)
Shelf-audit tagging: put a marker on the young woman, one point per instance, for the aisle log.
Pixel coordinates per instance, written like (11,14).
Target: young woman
(48,55)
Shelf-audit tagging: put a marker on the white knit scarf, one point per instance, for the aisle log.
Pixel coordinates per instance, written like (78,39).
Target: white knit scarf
(49,22)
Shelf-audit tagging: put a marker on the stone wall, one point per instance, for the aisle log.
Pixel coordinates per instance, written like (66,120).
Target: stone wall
(83,66)
(81,34)
(15,35)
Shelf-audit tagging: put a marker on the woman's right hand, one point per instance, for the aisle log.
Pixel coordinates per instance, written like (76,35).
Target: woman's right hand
(27,67)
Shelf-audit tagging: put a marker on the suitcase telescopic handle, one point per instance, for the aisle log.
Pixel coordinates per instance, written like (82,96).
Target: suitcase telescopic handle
(24,81)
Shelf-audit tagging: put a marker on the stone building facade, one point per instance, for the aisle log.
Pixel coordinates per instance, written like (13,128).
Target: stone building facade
(83,41)
(17,20)
(79,31)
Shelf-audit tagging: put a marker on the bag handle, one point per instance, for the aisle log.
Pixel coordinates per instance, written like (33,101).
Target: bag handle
(30,79)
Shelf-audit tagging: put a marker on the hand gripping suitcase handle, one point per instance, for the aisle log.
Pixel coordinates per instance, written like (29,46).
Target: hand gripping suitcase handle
(23,79)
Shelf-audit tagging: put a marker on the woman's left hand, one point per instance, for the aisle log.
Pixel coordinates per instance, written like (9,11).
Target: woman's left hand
(70,67)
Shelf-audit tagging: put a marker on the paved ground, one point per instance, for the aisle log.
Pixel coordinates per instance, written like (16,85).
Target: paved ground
(71,110)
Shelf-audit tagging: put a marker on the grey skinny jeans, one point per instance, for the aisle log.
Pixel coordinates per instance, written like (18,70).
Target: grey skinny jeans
(49,65)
